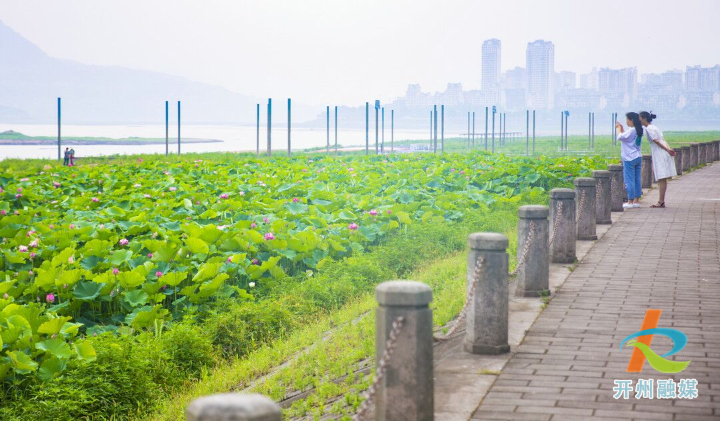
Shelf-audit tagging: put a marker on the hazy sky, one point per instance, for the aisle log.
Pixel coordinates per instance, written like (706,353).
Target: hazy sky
(347,52)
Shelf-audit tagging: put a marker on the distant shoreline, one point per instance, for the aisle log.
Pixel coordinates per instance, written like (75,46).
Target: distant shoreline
(88,142)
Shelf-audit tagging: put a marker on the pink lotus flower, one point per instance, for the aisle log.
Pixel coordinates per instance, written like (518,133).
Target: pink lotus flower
(102,226)
(373,212)
(351,169)
(19,189)
(51,226)
(224,196)
(22,249)
(295,200)
(255,262)
(32,255)
(304,170)
(72,226)
(33,243)
(123,242)
(137,186)
(253,225)
(95,199)
(353,226)
(229,259)
(150,255)
(31,273)
(462,172)
(17,196)
(6,296)
(147,196)
(389,211)
(3,213)
(71,259)
(265,219)
(50,298)
(269,236)
(242,193)
(56,184)
(158,274)
(115,271)
(173,188)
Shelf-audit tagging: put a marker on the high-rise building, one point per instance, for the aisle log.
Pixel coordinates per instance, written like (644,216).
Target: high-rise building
(565,81)
(453,95)
(589,80)
(491,70)
(514,78)
(540,72)
(702,79)
(618,85)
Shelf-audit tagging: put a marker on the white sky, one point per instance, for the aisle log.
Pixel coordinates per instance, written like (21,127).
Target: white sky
(347,52)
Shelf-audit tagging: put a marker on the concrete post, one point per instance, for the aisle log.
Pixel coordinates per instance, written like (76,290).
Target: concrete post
(717,150)
(534,278)
(603,200)
(562,209)
(616,187)
(233,406)
(487,320)
(646,171)
(585,191)
(701,153)
(678,160)
(686,158)
(693,155)
(406,390)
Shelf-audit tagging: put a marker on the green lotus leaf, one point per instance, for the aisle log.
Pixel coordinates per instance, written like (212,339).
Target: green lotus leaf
(56,347)
(21,362)
(87,291)
(136,298)
(119,257)
(50,368)
(197,246)
(85,351)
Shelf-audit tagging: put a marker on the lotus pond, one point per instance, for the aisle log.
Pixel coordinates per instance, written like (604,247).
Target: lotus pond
(100,255)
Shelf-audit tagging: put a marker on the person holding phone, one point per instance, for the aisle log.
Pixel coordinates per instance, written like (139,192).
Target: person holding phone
(630,142)
(662,156)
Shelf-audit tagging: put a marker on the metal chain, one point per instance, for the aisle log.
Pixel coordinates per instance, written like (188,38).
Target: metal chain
(468,299)
(528,241)
(381,368)
(558,217)
(581,206)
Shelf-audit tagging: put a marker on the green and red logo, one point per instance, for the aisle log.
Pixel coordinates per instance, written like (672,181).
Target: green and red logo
(642,339)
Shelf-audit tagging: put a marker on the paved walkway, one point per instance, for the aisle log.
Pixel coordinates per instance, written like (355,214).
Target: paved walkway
(666,259)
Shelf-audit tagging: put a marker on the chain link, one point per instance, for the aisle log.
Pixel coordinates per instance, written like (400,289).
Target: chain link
(556,221)
(381,369)
(523,256)
(581,206)
(468,299)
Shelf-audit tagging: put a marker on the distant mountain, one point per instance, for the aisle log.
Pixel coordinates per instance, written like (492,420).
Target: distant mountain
(31,81)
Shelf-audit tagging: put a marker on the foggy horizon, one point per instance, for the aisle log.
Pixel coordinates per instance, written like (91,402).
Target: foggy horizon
(321,52)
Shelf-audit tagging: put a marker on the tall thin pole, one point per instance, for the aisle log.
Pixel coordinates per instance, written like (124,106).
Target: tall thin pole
(376,130)
(178,127)
(533,132)
(59,110)
(167,128)
(327,130)
(367,128)
(435,123)
(527,132)
(473,139)
(257,152)
(442,128)
(336,143)
(486,127)
(392,131)
(493,132)
(382,143)
(289,126)
(269,127)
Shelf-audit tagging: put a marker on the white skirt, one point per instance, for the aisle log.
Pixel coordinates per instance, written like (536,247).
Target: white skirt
(663,164)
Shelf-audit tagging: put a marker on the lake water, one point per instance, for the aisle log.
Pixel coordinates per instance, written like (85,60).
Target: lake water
(234,138)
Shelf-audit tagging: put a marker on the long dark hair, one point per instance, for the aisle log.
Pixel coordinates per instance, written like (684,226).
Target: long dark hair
(635,118)
(649,116)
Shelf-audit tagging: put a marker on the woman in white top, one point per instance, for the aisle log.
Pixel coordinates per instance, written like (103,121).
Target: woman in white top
(662,156)
(630,141)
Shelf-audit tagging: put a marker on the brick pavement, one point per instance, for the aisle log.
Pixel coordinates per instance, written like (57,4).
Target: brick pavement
(650,258)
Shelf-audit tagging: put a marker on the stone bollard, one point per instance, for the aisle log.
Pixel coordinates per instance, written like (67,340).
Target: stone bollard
(534,278)
(487,320)
(562,219)
(714,150)
(233,407)
(717,150)
(616,187)
(585,191)
(693,155)
(701,153)
(603,199)
(686,159)
(406,390)
(646,171)
(678,161)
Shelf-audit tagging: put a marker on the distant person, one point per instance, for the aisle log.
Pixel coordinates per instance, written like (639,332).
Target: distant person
(662,156)
(630,143)
(72,157)
(66,160)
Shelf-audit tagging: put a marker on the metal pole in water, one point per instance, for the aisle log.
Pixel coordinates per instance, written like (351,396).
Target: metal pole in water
(59,110)
(486,127)
(442,128)
(376,129)
(269,128)
(289,126)
(167,128)
(336,143)
(178,127)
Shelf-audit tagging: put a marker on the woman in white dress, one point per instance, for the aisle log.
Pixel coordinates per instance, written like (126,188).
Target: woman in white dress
(662,156)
